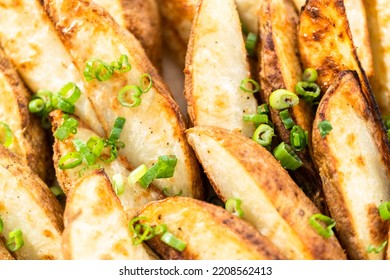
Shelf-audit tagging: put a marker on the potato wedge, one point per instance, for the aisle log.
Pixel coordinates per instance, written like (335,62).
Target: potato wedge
(212,82)
(154,128)
(280,68)
(209,231)
(26,203)
(239,167)
(378,13)
(4,253)
(28,138)
(248,11)
(355,170)
(96,226)
(142,18)
(41,60)
(133,197)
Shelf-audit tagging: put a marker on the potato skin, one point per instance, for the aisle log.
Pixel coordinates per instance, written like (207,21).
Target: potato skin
(357,219)
(30,140)
(228,237)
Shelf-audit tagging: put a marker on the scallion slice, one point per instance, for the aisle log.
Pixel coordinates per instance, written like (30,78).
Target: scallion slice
(15,240)
(309,91)
(70,92)
(70,160)
(130,96)
(1,225)
(119,186)
(257,119)
(68,127)
(6,133)
(324,127)
(167,193)
(122,65)
(386,121)
(56,190)
(164,168)
(325,232)
(309,75)
(263,135)
(287,121)
(36,105)
(263,109)
(136,174)
(287,157)
(146,82)
(233,205)
(298,138)
(372,249)
(384,210)
(95,145)
(116,130)
(249,85)
(282,99)
(250,43)
(60,103)
(83,149)
(97,69)
(172,241)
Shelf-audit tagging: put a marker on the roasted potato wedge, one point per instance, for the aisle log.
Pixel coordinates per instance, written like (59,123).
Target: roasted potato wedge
(26,203)
(280,68)
(30,41)
(355,170)
(378,13)
(248,11)
(4,253)
(238,167)
(212,82)
(132,198)
(209,231)
(154,128)
(28,138)
(96,226)
(142,18)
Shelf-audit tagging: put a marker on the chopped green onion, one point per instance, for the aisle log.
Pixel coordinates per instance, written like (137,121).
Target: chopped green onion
(89,168)
(83,149)
(257,119)
(164,168)
(172,241)
(287,157)
(298,138)
(116,130)
(376,250)
(142,231)
(1,225)
(146,77)
(384,210)
(36,106)
(15,240)
(263,135)
(166,192)
(7,136)
(112,155)
(263,109)
(68,127)
(56,190)
(309,91)
(118,184)
(329,222)
(136,174)
(122,65)
(130,96)
(70,92)
(325,127)
(97,69)
(287,121)
(309,75)
(283,99)
(386,121)
(95,145)
(60,103)
(233,205)
(160,229)
(250,43)
(70,160)
(244,85)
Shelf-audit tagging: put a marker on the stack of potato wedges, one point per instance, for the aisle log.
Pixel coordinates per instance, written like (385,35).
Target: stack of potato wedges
(280,152)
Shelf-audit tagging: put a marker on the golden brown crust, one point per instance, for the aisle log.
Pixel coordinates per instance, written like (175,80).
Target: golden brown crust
(199,223)
(4,253)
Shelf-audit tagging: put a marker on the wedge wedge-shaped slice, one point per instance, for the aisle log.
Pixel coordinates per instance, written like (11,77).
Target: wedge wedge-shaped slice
(248,11)
(209,232)
(30,41)
(96,226)
(378,13)
(28,138)
(26,203)
(354,168)
(280,68)
(4,253)
(177,17)
(142,18)
(152,129)
(132,198)
(212,82)
(238,167)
